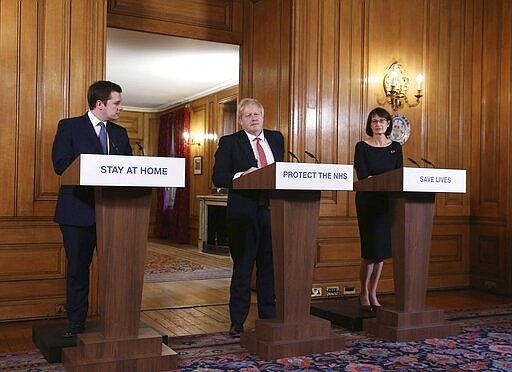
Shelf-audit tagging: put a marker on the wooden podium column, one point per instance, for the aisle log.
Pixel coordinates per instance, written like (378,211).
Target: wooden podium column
(412,215)
(122,219)
(294,211)
(294,219)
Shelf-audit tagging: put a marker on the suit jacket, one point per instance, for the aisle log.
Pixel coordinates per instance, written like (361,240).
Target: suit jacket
(75,136)
(235,154)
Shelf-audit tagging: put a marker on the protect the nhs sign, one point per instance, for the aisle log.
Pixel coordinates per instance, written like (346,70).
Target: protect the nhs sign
(119,170)
(314,176)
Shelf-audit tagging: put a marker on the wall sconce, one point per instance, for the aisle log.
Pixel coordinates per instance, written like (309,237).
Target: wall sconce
(189,140)
(396,86)
(195,139)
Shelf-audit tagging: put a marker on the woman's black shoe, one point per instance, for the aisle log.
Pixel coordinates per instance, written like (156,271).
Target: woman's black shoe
(366,308)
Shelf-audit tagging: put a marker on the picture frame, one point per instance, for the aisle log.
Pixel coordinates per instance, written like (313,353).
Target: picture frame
(198,165)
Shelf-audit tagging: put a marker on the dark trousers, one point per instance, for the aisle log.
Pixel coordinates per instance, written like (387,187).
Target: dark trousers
(248,245)
(79,244)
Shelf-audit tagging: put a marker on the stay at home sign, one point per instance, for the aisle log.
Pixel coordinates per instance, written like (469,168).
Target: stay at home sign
(118,170)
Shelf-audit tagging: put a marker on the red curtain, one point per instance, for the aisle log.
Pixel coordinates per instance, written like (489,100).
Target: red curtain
(172,213)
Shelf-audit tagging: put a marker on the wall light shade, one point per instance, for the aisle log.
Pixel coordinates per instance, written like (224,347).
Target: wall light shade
(189,139)
(396,85)
(196,138)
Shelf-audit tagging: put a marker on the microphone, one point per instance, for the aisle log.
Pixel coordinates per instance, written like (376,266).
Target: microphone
(428,162)
(311,155)
(414,162)
(293,156)
(141,149)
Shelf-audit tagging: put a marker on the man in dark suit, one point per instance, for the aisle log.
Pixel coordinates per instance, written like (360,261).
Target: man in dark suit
(75,205)
(247,212)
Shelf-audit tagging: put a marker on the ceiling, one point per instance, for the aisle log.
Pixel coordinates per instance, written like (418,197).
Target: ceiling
(158,72)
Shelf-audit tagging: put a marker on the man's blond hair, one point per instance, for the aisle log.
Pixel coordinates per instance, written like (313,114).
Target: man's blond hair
(248,102)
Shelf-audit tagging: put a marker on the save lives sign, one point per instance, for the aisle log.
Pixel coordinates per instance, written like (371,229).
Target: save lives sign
(434,180)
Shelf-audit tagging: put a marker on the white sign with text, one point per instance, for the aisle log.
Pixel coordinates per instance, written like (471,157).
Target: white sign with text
(434,180)
(313,176)
(119,170)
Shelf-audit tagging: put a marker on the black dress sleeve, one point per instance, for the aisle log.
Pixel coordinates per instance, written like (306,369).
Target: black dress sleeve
(360,161)
(400,157)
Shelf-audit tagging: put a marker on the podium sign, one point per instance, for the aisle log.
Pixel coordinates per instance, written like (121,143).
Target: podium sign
(430,180)
(311,176)
(143,171)
(434,180)
(298,176)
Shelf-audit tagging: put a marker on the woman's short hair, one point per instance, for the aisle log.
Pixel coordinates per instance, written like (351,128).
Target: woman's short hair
(383,113)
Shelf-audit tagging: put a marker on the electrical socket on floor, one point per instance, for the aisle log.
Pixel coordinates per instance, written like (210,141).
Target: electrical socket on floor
(316,291)
(332,291)
(349,290)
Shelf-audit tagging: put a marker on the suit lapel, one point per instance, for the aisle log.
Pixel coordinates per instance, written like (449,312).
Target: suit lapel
(90,134)
(274,146)
(246,147)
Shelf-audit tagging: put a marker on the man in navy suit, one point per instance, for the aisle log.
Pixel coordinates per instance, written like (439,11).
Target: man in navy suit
(75,205)
(247,212)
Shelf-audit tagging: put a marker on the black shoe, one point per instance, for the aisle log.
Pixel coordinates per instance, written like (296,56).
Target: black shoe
(235,330)
(366,308)
(73,330)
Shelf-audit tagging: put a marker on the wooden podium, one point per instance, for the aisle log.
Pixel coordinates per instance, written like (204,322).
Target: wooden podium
(294,218)
(122,220)
(412,202)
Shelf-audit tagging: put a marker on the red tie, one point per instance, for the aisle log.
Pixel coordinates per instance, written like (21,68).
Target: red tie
(261,153)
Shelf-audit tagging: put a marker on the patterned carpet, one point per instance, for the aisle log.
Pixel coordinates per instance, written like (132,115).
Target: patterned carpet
(479,347)
(484,344)
(166,263)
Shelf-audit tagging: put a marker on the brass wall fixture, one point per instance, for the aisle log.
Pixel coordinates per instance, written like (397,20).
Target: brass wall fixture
(396,85)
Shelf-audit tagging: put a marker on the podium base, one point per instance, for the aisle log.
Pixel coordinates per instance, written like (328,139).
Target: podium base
(48,338)
(144,352)
(393,325)
(272,339)
(342,312)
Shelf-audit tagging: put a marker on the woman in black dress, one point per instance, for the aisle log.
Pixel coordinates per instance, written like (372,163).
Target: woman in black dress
(377,155)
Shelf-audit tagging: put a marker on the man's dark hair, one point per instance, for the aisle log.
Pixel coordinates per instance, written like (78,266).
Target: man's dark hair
(101,90)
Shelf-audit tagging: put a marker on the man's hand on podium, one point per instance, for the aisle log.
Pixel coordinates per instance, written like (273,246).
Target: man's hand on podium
(250,170)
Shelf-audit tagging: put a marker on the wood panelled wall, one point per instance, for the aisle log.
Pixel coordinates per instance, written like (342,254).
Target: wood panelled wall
(332,77)
(49,54)
(213,20)
(488,110)
(317,65)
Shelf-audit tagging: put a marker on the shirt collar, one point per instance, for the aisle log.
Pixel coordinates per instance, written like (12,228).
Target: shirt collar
(252,137)
(94,120)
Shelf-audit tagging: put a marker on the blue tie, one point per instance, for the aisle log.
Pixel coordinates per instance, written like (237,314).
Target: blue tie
(103,137)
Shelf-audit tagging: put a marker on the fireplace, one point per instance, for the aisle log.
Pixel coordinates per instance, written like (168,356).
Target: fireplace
(213,235)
